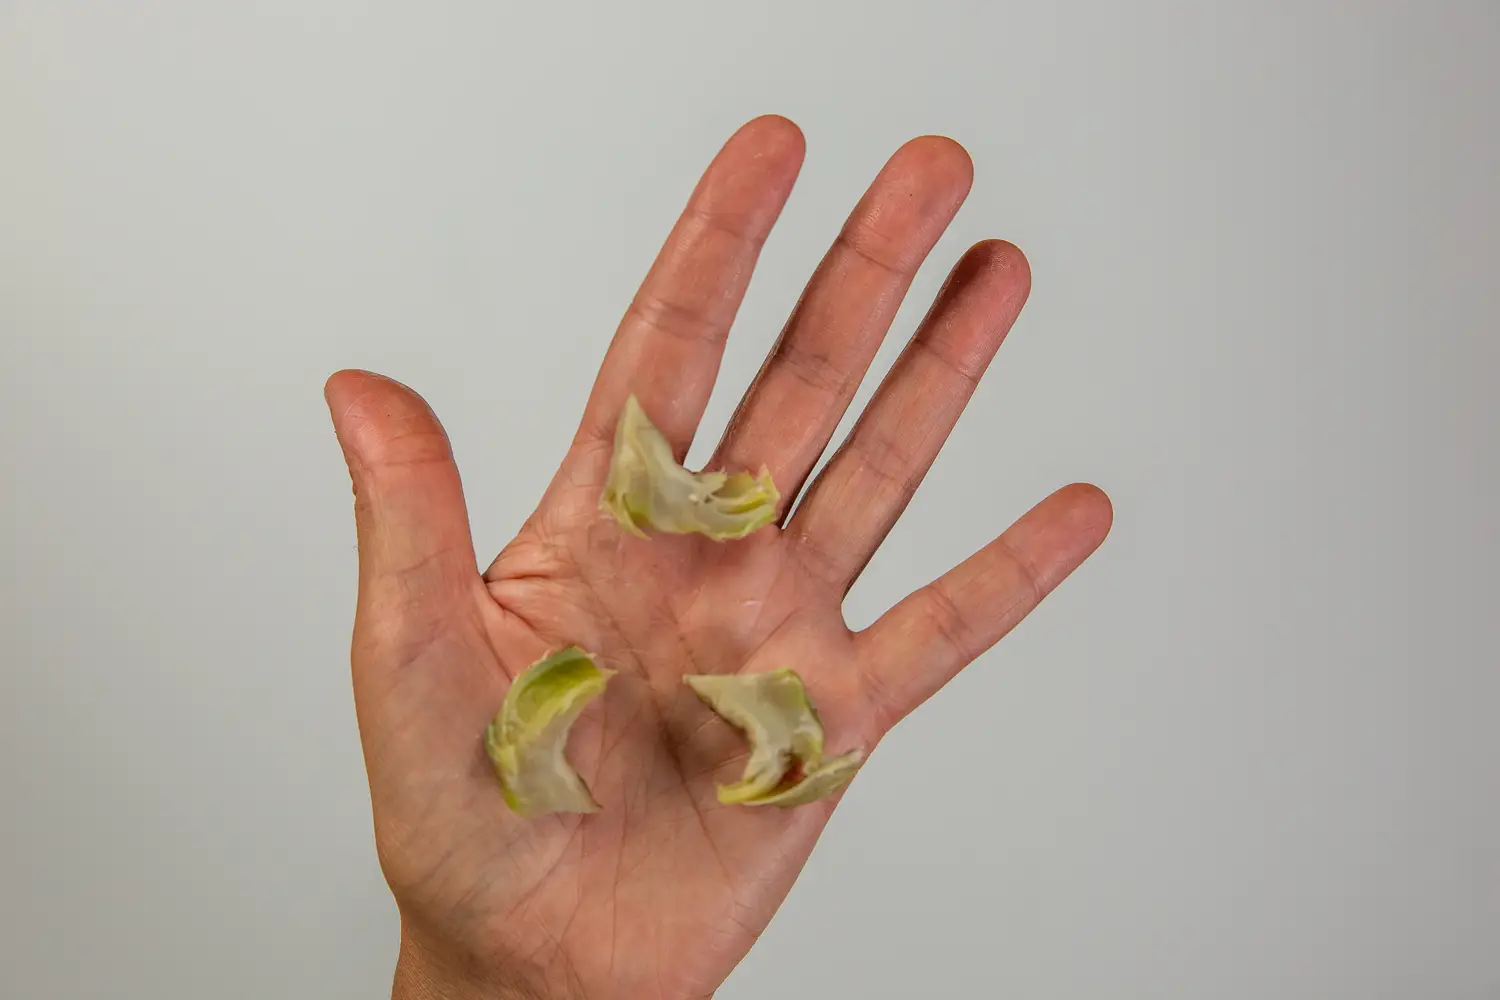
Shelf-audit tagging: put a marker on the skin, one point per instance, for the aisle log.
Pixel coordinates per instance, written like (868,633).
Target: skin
(659,895)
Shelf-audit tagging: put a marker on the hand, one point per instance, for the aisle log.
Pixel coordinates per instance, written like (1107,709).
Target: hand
(661,893)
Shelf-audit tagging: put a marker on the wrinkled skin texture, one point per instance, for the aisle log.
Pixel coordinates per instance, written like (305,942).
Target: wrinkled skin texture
(660,894)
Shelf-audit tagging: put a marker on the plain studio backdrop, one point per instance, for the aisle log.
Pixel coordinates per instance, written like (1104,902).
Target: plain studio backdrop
(1250,750)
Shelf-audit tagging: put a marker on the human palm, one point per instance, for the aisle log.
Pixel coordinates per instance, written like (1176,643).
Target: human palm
(662,892)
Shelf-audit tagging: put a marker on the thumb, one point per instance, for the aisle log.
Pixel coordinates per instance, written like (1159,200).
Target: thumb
(415,552)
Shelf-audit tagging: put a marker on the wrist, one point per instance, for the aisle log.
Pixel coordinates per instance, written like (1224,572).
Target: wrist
(422,975)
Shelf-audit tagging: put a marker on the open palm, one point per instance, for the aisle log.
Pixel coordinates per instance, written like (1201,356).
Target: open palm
(662,892)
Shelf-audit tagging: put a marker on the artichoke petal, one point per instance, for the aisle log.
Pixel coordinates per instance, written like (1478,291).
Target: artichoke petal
(647,488)
(528,738)
(786,766)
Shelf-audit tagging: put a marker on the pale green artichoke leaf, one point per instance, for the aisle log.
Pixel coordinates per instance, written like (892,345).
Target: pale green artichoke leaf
(774,712)
(528,739)
(647,488)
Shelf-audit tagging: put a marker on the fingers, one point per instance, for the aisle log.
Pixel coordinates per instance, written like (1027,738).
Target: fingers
(415,551)
(797,400)
(854,502)
(667,348)
(920,644)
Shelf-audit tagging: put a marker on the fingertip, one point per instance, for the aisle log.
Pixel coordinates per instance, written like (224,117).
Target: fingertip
(340,384)
(339,389)
(923,183)
(379,420)
(775,134)
(1003,255)
(747,184)
(768,149)
(1089,508)
(942,158)
(342,392)
(349,384)
(1001,266)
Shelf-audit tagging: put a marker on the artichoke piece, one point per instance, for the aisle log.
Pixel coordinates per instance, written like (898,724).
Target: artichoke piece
(527,740)
(830,776)
(647,488)
(786,766)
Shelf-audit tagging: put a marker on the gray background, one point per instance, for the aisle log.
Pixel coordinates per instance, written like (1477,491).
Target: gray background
(1250,751)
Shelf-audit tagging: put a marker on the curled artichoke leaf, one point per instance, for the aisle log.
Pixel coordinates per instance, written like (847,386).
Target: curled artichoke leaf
(786,766)
(527,741)
(647,488)
(830,776)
